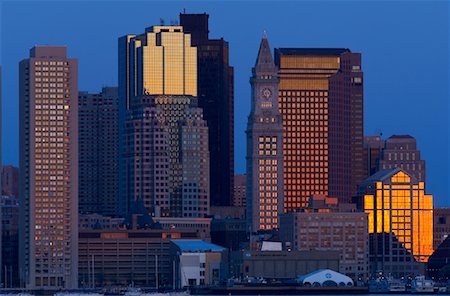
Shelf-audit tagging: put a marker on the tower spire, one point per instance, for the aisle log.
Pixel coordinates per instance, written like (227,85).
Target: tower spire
(264,61)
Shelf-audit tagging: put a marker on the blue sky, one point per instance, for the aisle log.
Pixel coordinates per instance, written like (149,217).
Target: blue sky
(404,45)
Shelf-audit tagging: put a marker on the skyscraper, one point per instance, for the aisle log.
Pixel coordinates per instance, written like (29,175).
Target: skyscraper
(99,152)
(373,146)
(321,101)
(216,98)
(401,151)
(10,180)
(264,145)
(400,221)
(164,138)
(48,88)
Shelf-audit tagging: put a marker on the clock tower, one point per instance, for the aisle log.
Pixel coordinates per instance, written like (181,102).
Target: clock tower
(264,146)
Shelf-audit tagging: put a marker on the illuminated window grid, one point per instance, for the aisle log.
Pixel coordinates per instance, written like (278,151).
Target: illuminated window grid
(52,147)
(405,210)
(305,123)
(268,183)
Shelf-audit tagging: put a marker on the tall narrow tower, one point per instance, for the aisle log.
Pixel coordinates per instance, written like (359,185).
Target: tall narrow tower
(264,145)
(48,179)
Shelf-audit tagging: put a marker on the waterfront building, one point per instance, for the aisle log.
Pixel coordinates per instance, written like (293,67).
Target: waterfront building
(48,107)
(401,151)
(287,264)
(326,226)
(240,192)
(122,258)
(373,146)
(198,263)
(9,207)
(264,187)
(10,181)
(98,152)
(400,222)
(215,92)
(321,102)
(163,138)
(441,226)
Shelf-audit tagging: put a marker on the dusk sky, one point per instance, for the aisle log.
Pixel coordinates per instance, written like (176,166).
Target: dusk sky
(404,46)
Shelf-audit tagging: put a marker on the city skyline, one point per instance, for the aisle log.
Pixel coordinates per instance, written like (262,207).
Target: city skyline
(399,83)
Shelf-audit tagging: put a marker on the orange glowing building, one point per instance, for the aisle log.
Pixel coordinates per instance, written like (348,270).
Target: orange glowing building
(400,221)
(321,101)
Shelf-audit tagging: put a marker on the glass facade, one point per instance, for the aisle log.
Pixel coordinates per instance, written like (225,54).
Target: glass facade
(401,207)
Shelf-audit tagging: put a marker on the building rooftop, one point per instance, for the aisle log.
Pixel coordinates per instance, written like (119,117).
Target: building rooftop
(196,245)
(311,51)
(401,137)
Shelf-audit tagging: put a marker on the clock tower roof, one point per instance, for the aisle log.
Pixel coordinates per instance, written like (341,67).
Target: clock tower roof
(264,62)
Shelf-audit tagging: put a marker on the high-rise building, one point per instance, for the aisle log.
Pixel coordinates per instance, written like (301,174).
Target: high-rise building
(441,226)
(48,88)
(98,152)
(400,221)
(373,146)
(216,98)
(240,192)
(163,136)
(264,145)
(10,181)
(321,101)
(401,151)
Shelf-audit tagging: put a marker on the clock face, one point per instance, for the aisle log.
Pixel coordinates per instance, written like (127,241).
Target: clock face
(266,93)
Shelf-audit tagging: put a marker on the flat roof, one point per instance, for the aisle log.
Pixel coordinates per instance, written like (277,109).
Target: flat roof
(196,245)
(311,51)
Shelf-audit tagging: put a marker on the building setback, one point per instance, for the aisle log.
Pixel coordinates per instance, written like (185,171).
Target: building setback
(400,222)
(400,151)
(216,98)
(321,101)
(264,145)
(48,88)
(98,152)
(163,136)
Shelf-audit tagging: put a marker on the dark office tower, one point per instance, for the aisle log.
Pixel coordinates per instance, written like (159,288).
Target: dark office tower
(373,146)
(165,157)
(48,181)
(321,101)
(216,97)
(98,152)
(401,152)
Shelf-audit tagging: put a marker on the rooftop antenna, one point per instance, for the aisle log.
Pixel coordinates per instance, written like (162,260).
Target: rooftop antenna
(174,22)
(161,21)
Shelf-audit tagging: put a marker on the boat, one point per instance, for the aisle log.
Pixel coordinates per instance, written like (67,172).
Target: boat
(396,286)
(421,285)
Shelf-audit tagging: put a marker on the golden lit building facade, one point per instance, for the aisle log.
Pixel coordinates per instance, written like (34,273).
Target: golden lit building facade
(400,221)
(321,101)
(264,187)
(49,166)
(162,134)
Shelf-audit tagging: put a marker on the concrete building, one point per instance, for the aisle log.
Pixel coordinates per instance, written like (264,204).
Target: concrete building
(198,263)
(120,258)
(48,107)
(216,98)
(401,151)
(9,207)
(264,187)
(287,265)
(240,192)
(163,138)
(441,226)
(10,181)
(321,101)
(324,228)
(400,222)
(98,152)
(200,226)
